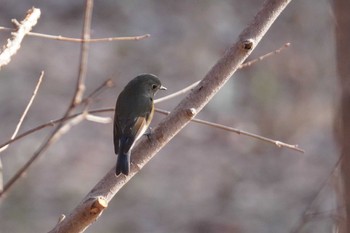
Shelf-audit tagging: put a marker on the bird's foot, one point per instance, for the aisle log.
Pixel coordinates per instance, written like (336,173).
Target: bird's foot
(148,134)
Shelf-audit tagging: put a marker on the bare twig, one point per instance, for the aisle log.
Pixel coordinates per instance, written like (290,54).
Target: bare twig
(241,132)
(79,219)
(77,98)
(304,216)
(180,92)
(98,119)
(80,86)
(3,148)
(244,65)
(66,127)
(51,140)
(105,120)
(277,51)
(106,84)
(59,123)
(14,44)
(25,111)
(55,122)
(77,40)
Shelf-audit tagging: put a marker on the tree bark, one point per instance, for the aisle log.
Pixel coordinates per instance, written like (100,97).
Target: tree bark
(342,33)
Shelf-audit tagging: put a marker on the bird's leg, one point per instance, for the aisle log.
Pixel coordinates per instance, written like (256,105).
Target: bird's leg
(148,133)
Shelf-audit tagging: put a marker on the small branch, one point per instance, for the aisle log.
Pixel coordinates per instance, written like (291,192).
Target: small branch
(80,86)
(53,123)
(25,111)
(244,65)
(23,28)
(106,120)
(98,119)
(51,140)
(66,127)
(77,98)
(180,92)
(77,40)
(53,137)
(241,132)
(106,84)
(3,148)
(86,101)
(304,216)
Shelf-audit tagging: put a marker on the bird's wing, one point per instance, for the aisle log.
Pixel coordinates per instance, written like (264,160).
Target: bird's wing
(134,128)
(140,127)
(116,137)
(130,125)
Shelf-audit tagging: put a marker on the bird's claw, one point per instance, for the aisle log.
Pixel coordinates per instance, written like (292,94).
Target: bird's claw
(148,134)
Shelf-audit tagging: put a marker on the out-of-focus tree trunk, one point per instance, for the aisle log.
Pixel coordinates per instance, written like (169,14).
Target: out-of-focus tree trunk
(1,179)
(342,16)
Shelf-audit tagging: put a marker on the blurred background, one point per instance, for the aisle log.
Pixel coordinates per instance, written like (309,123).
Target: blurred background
(205,179)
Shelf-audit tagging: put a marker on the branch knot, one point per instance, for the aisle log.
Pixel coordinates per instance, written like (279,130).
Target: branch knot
(191,112)
(247,44)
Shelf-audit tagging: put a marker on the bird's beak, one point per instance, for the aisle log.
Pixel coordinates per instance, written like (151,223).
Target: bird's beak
(162,88)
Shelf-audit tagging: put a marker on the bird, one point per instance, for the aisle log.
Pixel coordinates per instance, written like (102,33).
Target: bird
(133,114)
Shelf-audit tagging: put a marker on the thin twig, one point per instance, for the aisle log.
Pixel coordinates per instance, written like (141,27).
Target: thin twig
(61,120)
(106,84)
(25,111)
(98,119)
(109,83)
(54,123)
(107,120)
(80,86)
(51,140)
(241,132)
(66,127)
(180,92)
(77,98)
(244,65)
(24,27)
(277,51)
(77,40)
(304,217)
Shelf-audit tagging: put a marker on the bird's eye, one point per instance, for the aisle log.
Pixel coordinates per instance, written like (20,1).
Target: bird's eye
(154,86)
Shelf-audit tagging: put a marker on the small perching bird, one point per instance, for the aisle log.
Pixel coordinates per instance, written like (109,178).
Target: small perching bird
(133,114)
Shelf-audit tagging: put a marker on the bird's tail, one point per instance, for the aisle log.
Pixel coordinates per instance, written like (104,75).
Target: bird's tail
(123,164)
